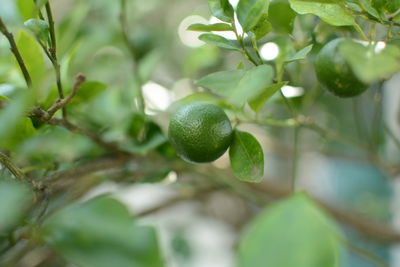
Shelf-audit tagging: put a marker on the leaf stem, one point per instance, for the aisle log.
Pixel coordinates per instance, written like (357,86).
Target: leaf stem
(15,51)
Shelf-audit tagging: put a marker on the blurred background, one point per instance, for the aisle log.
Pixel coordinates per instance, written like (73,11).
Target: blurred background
(203,231)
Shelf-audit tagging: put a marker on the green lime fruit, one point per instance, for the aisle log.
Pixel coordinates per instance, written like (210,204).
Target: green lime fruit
(334,73)
(200,132)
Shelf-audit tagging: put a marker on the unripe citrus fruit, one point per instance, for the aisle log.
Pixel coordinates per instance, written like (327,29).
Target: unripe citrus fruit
(334,73)
(200,132)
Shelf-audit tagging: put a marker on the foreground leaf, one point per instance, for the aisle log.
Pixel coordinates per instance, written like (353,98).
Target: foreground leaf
(331,12)
(210,28)
(302,54)
(101,233)
(221,9)
(246,157)
(219,41)
(292,233)
(258,102)
(223,82)
(249,12)
(252,84)
(14,198)
(365,59)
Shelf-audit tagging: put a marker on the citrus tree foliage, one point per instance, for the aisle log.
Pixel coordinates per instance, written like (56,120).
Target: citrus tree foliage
(73,114)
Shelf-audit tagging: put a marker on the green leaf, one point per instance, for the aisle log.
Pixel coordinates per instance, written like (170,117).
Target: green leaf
(247,158)
(239,86)
(253,82)
(15,199)
(249,12)
(33,57)
(15,127)
(4,98)
(101,232)
(219,41)
(209,28)
(302,54)
(88,91)
(365,59)
(26,8)
(330,12)
(221,9)
(258,102)
(262,27)
(148,64)
(367,6)
(39,28)
(292,233)
(281,16)
(222,83)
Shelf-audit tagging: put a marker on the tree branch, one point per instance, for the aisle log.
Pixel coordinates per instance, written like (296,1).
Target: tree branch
(62,102)
(6,161)
(15,51)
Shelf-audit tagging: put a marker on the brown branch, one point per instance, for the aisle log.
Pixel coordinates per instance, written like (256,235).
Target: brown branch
(62,102)
(178,199)
(6,161)
(15,51)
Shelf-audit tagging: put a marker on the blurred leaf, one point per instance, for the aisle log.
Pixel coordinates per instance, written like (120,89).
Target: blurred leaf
(302,54)
(367,6)
(221,9)
(292,233)
(148,64)
(222,83)
(247,158)
(258,102)
(32,55)
(15,127)
(145,134)
(26,8)
(209,28)
(262,27)
(219,41)
(249,12)
(15,199)
(369,64)
(4,98)
(253,82)
(281,16)
(331,12)
(39,28)
(88,91)
(101,233)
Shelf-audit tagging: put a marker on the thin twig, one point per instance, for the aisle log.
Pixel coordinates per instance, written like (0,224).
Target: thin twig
(15,51)
(124,31)
(62,102)
(366,254)
(53,52)
(6,161)
(392,135)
